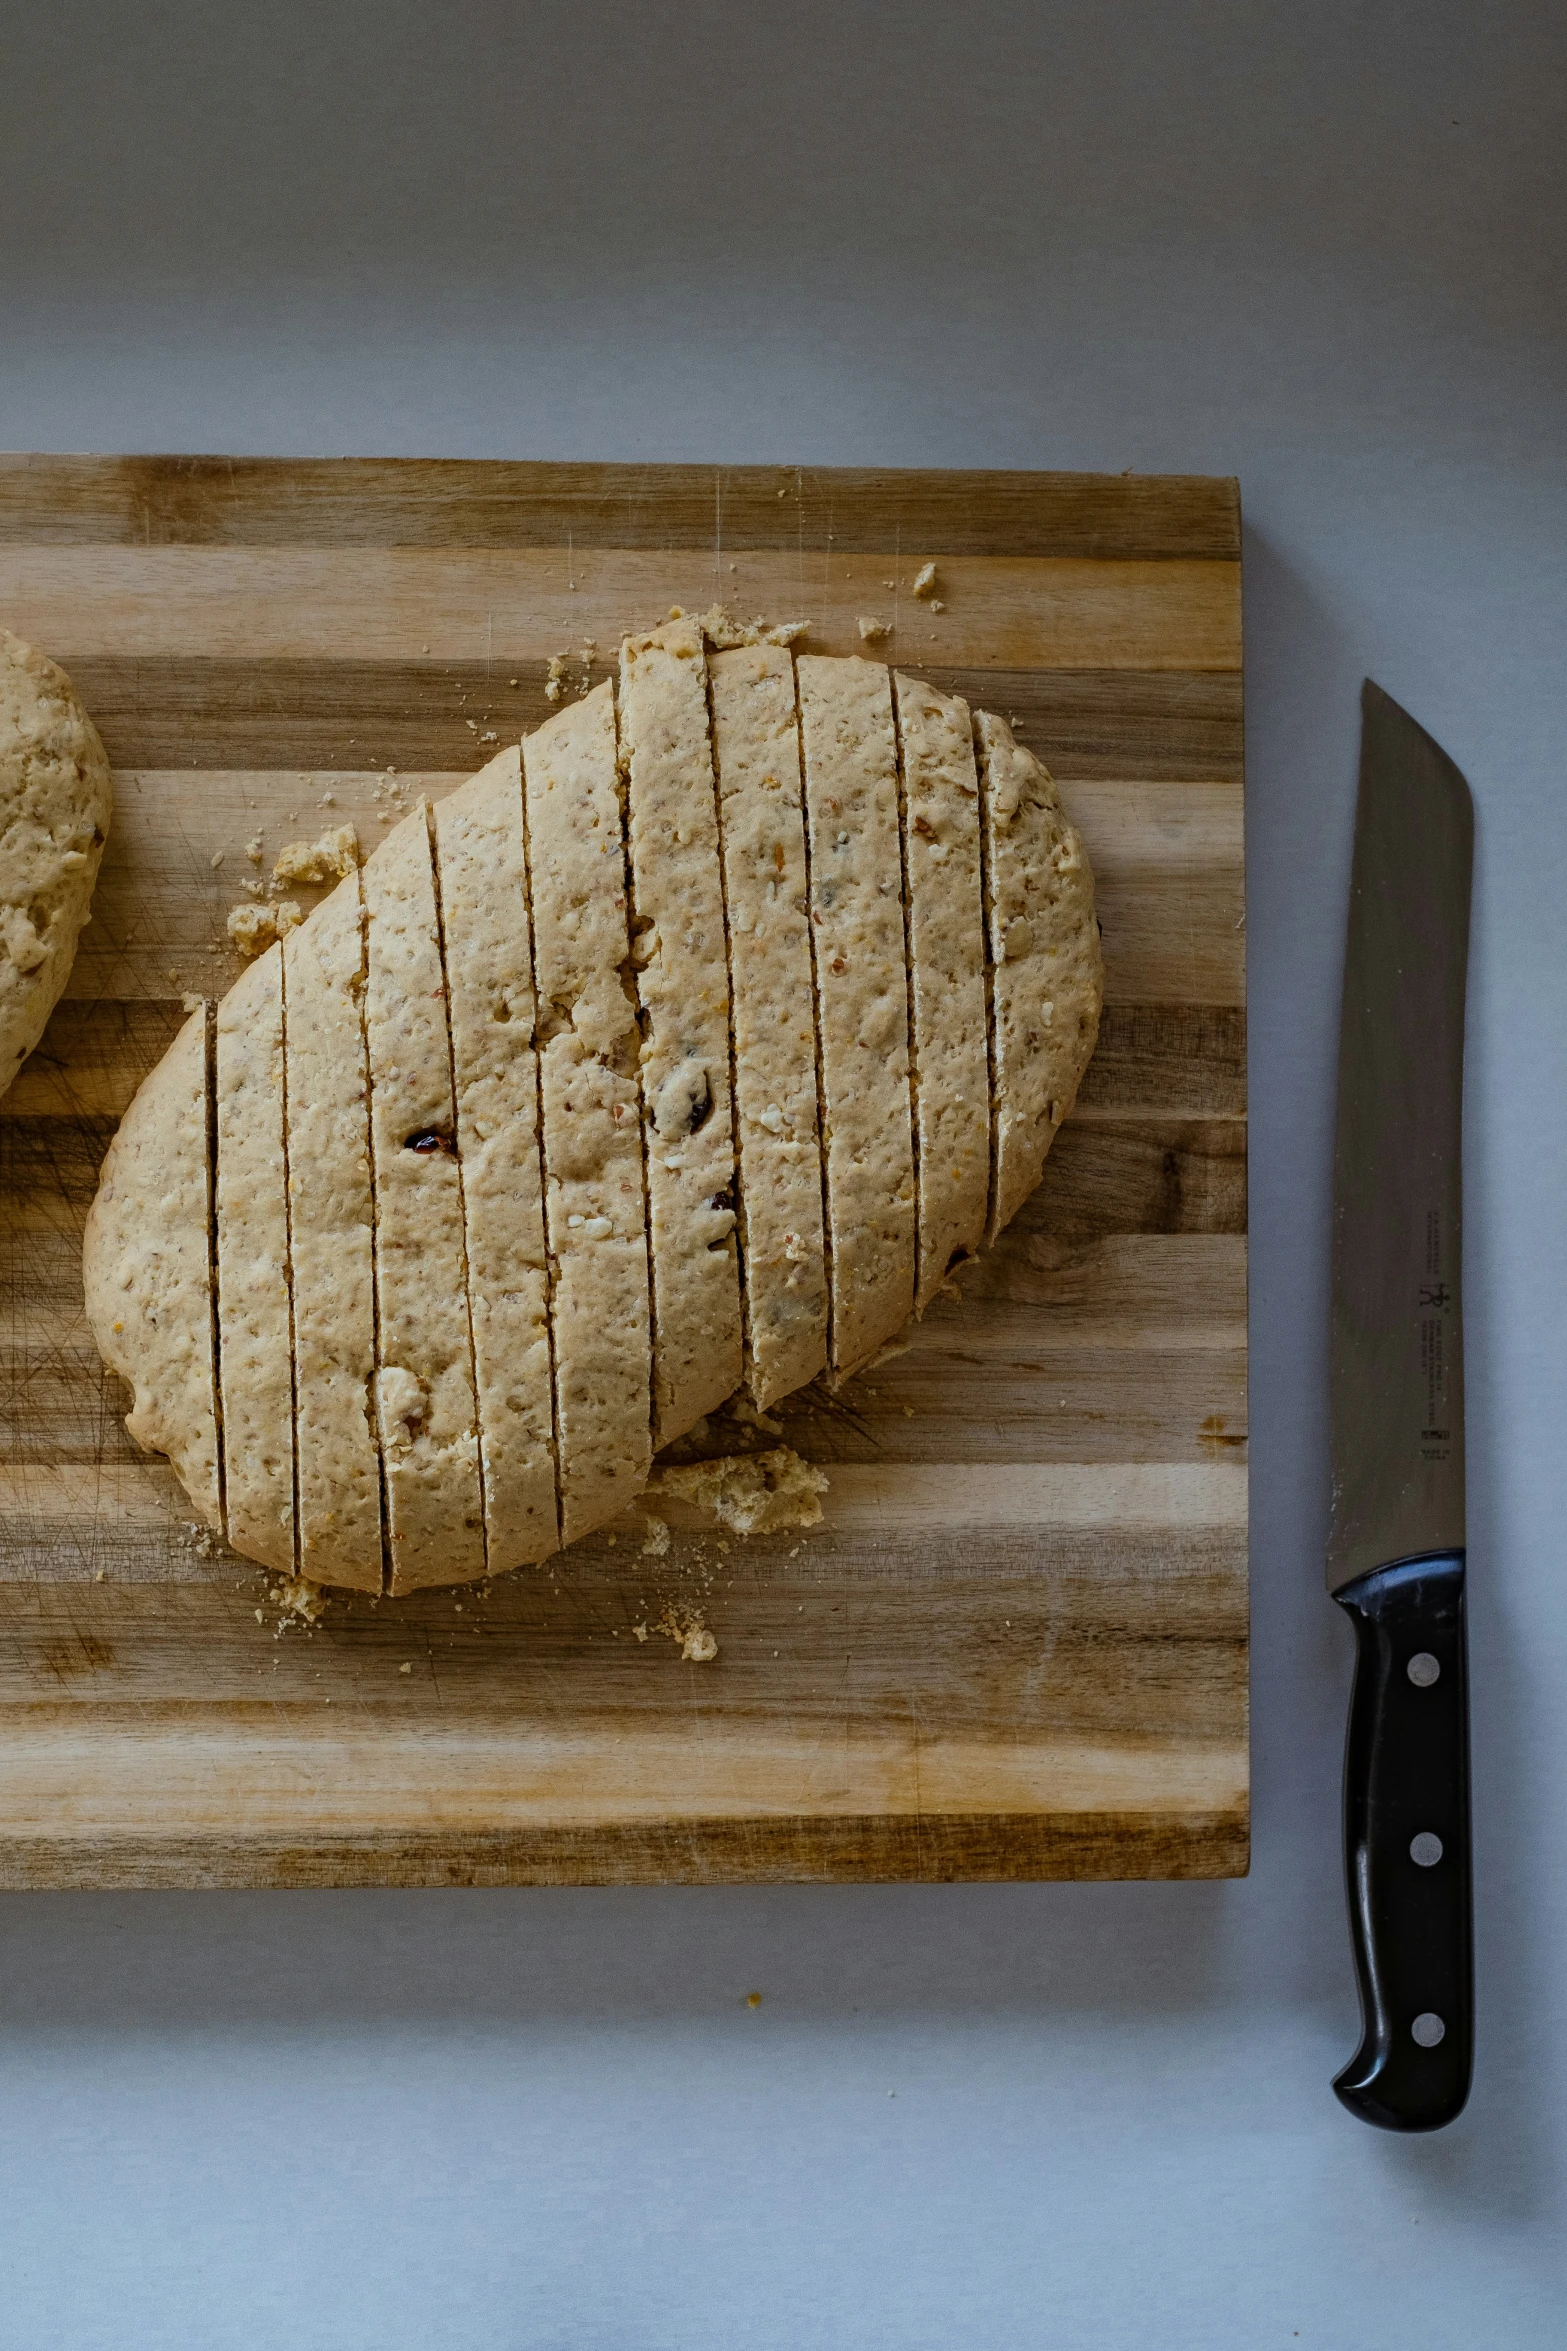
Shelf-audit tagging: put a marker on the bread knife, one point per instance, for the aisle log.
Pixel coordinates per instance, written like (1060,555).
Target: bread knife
(1396,1542)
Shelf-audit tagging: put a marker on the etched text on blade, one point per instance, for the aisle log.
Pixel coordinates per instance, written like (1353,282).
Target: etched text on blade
(1397,1361)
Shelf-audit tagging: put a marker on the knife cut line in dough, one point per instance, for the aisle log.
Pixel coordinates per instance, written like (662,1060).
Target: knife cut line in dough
(851,799)
(486,945)
(425,1404)
(946,964)
(341,1501)
(594,1201)
(682,978)
(756,749)
(255,1349)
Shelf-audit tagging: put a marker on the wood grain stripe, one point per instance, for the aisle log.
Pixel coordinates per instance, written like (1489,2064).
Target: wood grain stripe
(1168,862)
(1002,612)
(1152,1060)
(197,711)
(421,502)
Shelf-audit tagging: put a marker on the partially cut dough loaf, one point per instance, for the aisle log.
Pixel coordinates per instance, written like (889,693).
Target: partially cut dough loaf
(858,1001)
(55,798)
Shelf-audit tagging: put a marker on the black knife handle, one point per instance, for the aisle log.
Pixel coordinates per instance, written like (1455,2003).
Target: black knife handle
(1406,1845)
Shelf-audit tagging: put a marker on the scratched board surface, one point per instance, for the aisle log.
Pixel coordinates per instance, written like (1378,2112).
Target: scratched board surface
(1017,1645)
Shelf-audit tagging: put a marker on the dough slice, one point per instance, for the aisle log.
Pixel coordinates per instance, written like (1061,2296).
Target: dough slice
(941,864)
(594,1213)
(851,801)
(683,990)
(1046,975)
(332,1221)
(424,1367)
(487,943)
(756,748)
(55,797)
(147,1267)
(255,1348)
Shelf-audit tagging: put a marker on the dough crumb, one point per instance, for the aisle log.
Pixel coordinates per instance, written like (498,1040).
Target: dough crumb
(253,927)
(253,849)
(657,1538)
(925,580)
(300,1601)
(872,629)
(721,629)
(750,1416)
(697,1645)
(750,1493)
(335,854)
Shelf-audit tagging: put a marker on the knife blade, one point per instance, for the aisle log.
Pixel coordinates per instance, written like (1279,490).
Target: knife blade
(1396,1545)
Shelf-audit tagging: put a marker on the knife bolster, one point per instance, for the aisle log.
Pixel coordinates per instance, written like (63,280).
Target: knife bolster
(1406,1844)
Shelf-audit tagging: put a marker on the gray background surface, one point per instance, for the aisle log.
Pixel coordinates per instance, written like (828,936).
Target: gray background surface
(1317,246)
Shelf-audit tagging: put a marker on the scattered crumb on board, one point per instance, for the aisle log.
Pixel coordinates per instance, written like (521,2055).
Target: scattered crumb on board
(698,1646)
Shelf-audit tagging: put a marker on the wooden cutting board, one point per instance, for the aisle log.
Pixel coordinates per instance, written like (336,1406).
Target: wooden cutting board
(1017,1647)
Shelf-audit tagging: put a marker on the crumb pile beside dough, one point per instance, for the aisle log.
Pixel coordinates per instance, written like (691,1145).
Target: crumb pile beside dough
(673,1062)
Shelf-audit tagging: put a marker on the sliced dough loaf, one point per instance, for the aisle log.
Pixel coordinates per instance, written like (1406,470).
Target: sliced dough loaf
(946,977)
(683,991)
(55,798)
(489,983)
(1046,976)
(756,746)
(594,1209)
(147,1266)
(851,799)
(332,1237)
(424,1373)
(255,1348)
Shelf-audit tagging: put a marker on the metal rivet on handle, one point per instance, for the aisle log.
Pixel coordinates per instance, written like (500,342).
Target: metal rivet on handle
(1423,1669)
(1428,2029)
(1426,1849)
